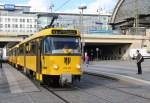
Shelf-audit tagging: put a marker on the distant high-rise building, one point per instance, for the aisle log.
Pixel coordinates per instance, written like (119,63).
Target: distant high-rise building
(17,20)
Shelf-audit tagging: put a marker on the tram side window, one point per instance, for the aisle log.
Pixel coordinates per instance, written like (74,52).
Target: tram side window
(27,49)
(33,47)
(13,53)
(47,45)
(21,50)
(10,53)
(16,52)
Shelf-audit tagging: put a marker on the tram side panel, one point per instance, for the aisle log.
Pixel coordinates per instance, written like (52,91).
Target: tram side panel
(21,56)
(31,63)
(31,55)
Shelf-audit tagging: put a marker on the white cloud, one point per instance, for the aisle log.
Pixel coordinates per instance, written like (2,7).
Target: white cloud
(69,11)
(43,6)
(105,5)
(39,5)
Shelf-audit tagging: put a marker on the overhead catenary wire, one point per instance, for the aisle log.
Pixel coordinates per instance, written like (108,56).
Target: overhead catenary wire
(61,6)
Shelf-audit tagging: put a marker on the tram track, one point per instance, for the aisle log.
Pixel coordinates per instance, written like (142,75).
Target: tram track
(113,88)
(53,91)
(109,101)
(75,87)
(55,94)
(85,83)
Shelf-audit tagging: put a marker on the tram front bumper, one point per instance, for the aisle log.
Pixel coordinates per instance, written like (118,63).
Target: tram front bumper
(66,78)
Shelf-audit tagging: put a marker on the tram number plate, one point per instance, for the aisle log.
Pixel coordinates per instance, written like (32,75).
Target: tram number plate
(67,68)
(66,78)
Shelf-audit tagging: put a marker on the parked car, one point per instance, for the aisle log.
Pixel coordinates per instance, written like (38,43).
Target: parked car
(144,52)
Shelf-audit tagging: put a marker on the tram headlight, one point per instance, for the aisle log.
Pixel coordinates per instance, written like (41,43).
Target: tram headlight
(56,67)
(78,66)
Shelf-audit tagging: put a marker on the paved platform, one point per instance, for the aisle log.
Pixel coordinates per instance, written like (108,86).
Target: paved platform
(14,81)
(17,88)
(122,70)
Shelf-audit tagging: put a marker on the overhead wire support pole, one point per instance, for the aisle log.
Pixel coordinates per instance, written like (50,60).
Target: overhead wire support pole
(137,20)
(51,8)
(136,17)
(82,27)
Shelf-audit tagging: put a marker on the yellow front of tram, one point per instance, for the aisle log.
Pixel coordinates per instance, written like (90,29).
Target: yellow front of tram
(62,55)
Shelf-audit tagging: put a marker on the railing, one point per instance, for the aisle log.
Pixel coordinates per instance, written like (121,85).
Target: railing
(107,58)
(136,31)
(13,33)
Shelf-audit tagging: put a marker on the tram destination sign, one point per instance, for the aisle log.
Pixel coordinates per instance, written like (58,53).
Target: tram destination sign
(64,32)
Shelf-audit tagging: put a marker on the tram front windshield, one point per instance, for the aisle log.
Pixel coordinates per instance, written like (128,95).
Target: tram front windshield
(59,45)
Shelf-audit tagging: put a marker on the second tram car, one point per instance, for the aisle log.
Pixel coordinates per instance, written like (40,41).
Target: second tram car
(51,55)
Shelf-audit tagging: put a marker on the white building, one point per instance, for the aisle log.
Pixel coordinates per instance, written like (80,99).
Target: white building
(17,20)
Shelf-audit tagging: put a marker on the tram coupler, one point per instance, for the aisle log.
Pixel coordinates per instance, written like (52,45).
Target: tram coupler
(65,79)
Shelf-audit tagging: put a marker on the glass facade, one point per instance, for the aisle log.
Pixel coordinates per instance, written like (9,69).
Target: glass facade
(88,23)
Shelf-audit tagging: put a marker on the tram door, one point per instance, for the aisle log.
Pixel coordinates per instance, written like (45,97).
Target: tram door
(24,57)
(38,60)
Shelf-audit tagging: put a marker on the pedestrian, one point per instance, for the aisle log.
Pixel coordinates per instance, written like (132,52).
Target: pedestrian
(0,61)
(86,59)
(91,59)
(139,59)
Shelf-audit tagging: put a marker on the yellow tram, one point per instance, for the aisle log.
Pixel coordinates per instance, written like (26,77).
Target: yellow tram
(51,55)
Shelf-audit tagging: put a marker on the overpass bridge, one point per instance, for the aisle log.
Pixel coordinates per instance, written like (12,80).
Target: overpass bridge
(9,39)
(113,46)
(96,45)
(97,38)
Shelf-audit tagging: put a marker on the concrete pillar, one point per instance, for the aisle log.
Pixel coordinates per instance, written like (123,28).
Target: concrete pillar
(4,53)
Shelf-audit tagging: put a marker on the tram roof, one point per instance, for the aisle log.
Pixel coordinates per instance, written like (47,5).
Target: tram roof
(43,33)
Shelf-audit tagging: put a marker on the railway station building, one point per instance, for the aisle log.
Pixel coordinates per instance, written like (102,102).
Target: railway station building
(130,16)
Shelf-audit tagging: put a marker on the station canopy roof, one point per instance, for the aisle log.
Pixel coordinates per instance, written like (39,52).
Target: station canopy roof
(126,11)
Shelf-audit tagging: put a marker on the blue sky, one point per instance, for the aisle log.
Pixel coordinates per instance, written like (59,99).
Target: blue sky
(70,5)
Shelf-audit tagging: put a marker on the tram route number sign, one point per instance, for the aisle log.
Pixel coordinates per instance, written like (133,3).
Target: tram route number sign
(58,32)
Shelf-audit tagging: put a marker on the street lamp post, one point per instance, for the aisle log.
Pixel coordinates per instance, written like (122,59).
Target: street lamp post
(137,20)
(51,7)
(99,16)
(136,17)
(99,13)
(82,27)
